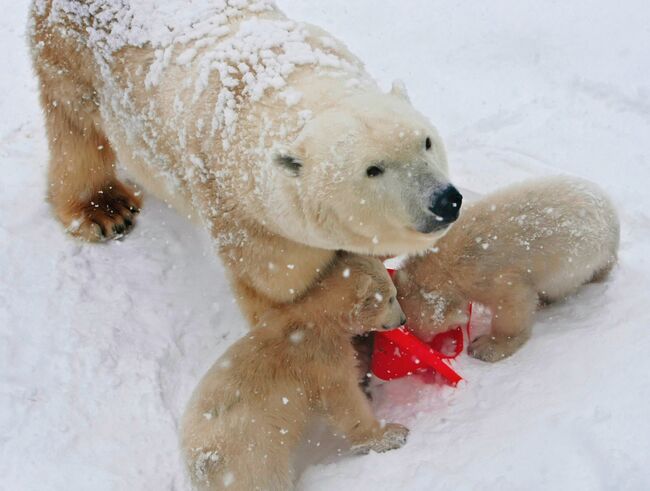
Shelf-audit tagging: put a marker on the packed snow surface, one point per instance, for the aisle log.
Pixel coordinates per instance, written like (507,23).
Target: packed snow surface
(101,345)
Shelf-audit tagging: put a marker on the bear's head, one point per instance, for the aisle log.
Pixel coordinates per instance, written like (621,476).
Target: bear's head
(367,174)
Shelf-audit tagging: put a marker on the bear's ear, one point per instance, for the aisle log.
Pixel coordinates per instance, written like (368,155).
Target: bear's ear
(399,89)
(402,283)
(401,278)
(290,165)
(363,285)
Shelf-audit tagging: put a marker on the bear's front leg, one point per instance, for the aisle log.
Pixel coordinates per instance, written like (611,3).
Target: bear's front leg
(494,348)
(393,436)
(83,189)
(349,410)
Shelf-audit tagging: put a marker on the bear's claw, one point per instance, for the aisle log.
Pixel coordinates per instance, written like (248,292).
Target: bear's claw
(394,436)
(492,348)
(108,214)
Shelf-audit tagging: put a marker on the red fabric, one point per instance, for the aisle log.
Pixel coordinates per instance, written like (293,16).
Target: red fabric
(398,352)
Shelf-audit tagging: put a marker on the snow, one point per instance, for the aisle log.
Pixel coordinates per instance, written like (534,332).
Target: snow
(439,304)
(101,345)
(160,23)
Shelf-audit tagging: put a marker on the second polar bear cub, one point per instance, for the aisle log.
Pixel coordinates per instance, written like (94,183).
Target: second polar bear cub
(250,409)
(537,240)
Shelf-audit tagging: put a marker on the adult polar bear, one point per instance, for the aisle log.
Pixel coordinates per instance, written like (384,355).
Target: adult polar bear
(267,131)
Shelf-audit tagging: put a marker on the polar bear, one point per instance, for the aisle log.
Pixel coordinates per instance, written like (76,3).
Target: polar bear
(531,243)
(251,409)
(266,131)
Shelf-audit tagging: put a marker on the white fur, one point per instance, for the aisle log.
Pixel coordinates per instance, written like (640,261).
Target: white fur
(327,113)
(542,238)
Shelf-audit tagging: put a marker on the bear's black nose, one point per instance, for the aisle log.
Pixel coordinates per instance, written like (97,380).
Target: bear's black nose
(446,204)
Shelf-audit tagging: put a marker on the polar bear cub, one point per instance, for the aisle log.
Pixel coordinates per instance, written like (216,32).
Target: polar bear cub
(537,240)
(251,407)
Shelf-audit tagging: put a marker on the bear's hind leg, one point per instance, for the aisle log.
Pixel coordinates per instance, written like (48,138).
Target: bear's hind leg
(512,321)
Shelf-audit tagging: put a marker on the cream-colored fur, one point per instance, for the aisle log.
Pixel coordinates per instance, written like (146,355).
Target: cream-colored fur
(271,158)
(541,239)
(250,409)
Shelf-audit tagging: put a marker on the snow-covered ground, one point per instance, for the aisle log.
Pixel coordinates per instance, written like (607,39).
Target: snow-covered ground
(101,345)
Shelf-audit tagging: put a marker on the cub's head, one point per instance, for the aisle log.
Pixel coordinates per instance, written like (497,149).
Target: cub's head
(432,305)
(361,295)
(369,175)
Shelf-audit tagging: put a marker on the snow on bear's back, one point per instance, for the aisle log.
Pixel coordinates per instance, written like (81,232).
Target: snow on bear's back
(248,46)
(221,54)
(114,24)
(234,36)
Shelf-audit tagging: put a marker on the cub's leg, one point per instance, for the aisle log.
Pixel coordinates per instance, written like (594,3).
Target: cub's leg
(349,410)
(237,442)
(363,346)
(83,190)
(257,466)
(512,319)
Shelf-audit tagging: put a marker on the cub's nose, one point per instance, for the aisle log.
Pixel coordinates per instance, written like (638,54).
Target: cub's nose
(446,204)
(398,322)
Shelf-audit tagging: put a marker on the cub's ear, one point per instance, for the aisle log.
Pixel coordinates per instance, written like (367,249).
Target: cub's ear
(402,283)
(399,89)
(289,164)
(363,285)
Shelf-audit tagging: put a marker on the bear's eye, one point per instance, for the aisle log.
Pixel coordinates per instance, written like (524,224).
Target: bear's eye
(427,143)
(290,164)
(374,171)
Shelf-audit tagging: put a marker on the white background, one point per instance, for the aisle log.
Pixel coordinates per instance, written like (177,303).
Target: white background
(100,345)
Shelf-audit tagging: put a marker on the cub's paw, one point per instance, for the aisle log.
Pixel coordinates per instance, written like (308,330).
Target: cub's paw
(108,214)
(493,348)
(392,436)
